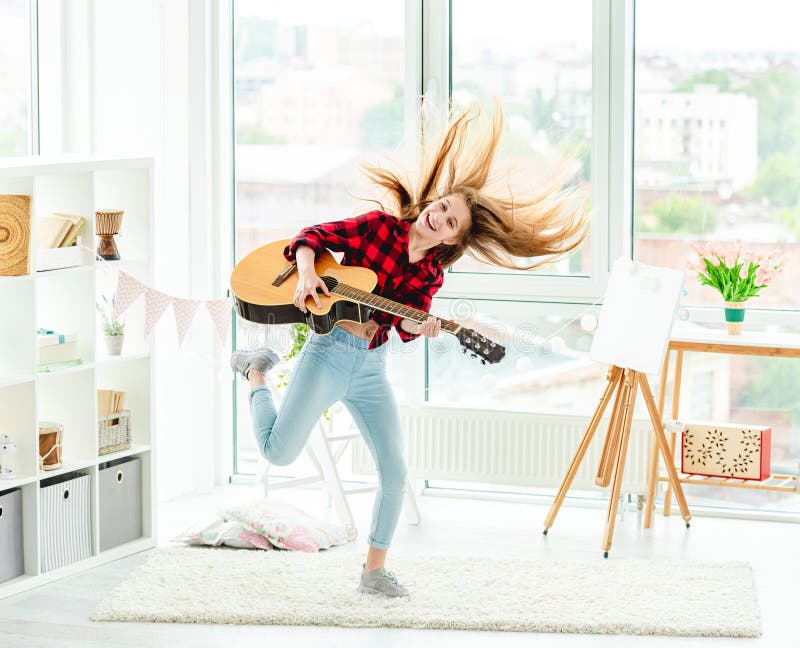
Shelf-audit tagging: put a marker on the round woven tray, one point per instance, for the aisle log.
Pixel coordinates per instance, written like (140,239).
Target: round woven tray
(15,234)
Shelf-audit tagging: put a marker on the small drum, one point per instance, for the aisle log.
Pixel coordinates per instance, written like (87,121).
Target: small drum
(107,223)
(50,439)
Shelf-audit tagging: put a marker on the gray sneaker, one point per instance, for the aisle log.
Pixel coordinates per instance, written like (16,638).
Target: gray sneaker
(260,359)
(381,581)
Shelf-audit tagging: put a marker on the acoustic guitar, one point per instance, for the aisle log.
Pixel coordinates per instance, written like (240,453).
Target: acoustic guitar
(263,285)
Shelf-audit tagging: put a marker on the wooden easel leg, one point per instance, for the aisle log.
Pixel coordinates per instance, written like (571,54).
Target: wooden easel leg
(661,441)
(676,391)
(622,451)
(613,377)
(652,469)
(611,443)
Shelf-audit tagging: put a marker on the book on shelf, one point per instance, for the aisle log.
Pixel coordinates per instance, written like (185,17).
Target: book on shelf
(109,402)
(59,230)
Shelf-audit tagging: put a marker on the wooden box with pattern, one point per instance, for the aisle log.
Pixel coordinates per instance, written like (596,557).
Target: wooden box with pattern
(725,450)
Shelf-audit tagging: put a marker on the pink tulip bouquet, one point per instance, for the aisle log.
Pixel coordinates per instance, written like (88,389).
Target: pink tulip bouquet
(736,273)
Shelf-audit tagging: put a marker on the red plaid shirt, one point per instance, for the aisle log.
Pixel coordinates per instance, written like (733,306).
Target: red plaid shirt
(378,241)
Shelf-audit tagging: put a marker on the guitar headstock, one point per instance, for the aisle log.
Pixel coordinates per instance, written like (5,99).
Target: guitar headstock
(480,346)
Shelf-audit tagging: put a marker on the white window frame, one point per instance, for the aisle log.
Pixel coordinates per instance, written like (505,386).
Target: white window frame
(611,156)
(33,115)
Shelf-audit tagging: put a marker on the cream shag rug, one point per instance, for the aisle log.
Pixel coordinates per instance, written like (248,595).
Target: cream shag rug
(643,597)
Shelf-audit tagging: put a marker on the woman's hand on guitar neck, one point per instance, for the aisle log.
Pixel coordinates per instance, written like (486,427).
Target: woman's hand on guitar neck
(307,284)
(431,327)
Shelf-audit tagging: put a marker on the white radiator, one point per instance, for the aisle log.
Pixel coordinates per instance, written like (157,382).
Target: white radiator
(508,448)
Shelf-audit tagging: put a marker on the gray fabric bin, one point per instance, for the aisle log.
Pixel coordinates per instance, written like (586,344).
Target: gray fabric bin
(66,520)
(12,559)
(120,484)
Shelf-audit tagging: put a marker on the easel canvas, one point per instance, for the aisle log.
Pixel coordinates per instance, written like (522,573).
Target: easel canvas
(636,317)
(632,335)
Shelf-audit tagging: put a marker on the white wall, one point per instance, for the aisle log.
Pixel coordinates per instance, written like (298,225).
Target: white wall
(141,78)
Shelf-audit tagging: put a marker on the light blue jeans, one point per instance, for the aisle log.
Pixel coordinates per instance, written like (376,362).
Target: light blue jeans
(330,368)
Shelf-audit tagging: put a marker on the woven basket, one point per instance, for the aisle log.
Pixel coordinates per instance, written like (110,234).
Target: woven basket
(114,432)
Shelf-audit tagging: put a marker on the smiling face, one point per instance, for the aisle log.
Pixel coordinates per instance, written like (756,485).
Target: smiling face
(443,220)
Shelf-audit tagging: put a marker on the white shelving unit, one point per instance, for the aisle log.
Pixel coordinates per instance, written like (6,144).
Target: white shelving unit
(64,300)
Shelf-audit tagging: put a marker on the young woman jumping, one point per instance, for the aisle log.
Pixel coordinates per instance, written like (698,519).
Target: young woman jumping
(452,210)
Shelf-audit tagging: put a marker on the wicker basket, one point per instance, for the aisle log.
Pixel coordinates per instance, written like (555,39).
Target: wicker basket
(114,432)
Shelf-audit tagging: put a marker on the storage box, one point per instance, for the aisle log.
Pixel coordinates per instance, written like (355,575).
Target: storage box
(60,257)
(114,432)
(120,502)
(12,558)
(56,347)
(66,524)
(726,450)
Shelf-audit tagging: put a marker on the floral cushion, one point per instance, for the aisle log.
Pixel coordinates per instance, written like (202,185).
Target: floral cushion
(223,532)
(286,526)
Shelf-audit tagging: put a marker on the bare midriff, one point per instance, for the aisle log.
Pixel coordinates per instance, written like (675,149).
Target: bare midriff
(364,330)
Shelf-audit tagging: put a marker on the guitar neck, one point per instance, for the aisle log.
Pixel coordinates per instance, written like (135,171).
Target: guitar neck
(389,306)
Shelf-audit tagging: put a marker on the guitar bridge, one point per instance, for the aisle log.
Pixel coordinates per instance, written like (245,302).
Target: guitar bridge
(287,272)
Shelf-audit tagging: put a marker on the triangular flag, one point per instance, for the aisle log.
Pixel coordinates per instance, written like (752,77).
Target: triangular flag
(128,291)
(184,311)
(220,311)
(155,303)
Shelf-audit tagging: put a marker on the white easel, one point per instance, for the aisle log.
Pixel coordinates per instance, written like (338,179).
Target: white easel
(632,335)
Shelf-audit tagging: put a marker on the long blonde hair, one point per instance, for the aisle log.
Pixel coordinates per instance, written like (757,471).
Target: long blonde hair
(545,222)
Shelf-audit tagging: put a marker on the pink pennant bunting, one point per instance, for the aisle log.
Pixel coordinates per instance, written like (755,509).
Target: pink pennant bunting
(220,311)
(127,292)
(184,311)
(155,303)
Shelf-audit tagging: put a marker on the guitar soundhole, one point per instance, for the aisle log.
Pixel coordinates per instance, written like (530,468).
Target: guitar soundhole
(330,282)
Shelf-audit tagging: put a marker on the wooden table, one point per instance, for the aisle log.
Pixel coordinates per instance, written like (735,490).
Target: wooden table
(700,340)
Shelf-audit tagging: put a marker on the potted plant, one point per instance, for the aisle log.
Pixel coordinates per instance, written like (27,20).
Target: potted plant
(737,274)
(113,330)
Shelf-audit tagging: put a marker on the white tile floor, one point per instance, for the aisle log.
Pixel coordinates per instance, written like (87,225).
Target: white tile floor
(57,615)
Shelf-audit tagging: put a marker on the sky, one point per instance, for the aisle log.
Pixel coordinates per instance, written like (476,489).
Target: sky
(728,25)
(684,24)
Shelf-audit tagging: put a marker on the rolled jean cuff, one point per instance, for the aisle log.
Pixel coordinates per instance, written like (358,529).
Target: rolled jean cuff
(378,545)
(259,388)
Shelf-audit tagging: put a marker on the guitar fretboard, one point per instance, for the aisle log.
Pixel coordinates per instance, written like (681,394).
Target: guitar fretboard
(389,306)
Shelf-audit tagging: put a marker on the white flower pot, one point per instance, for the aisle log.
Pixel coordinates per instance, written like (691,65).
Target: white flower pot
(114,344)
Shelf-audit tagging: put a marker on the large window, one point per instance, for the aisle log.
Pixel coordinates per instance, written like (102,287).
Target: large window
(15,75)
(717,158)
(717,132)
(539,64)
(716,143)
(319,88)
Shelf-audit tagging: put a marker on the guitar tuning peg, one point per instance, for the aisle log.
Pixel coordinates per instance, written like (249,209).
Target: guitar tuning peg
(473,355)
(483,361)
(463,350)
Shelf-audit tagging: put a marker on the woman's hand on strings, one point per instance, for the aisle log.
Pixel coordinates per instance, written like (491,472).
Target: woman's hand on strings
(307,284)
